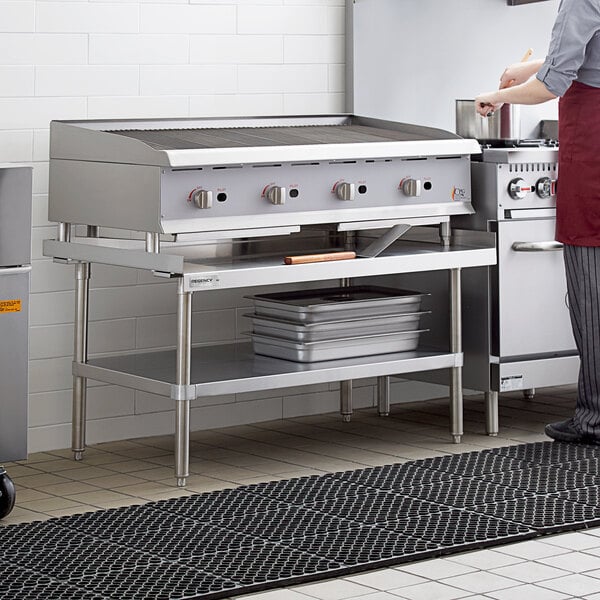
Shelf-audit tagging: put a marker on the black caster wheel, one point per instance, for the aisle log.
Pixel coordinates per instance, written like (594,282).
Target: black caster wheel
(7,493)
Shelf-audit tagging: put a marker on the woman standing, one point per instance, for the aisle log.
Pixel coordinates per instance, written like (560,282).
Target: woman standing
(571,72)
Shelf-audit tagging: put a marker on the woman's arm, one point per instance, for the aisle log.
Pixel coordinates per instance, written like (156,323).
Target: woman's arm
(519,72)
(532,91)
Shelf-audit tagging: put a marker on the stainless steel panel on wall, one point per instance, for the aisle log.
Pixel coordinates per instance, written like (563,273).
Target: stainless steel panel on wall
(532,304)
(409,61)
(15,216)
(14,310)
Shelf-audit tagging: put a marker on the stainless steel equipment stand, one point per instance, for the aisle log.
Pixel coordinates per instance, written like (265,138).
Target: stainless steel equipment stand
(239,369)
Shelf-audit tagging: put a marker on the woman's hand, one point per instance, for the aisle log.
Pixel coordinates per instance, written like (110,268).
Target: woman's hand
(487,104)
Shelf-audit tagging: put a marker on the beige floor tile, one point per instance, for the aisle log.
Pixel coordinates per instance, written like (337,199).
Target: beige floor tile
(128,501)
(199,484)
(39,481)
(144,452)
(106,459)
(60,464)
(70,488)
(22,515)
(154,473)
(45,505)
(114,481)
(29,494)
(128,466)
(146,489)
(37,457)
(67,512)
(17,471)
(100,498)
(85,473)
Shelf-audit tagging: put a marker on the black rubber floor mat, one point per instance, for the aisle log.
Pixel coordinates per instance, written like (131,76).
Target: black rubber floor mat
(256,537)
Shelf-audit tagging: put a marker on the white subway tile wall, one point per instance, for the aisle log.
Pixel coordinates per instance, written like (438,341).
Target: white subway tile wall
(78,59)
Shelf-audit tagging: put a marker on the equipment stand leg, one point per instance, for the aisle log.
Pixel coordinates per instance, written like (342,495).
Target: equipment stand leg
(182,404)
(456,392)
(82,291)
(346,400)
(383,396)
(491,413)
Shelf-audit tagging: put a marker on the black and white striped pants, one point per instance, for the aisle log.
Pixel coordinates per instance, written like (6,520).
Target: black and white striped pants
(582,267)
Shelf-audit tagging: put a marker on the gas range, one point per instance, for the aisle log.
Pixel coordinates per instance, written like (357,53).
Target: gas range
(515,179)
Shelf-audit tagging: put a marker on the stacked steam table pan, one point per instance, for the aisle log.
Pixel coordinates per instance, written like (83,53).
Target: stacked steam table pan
(336,323)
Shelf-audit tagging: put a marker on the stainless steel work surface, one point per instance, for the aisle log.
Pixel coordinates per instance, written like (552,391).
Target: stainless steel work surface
(408,257)
(234,368)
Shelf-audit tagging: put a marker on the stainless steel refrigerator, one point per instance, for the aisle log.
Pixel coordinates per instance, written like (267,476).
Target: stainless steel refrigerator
(15,267)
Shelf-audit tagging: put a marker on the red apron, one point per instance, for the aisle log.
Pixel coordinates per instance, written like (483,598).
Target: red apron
(578,189)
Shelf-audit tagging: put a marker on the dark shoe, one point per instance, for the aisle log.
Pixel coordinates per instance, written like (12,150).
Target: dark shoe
(565,431)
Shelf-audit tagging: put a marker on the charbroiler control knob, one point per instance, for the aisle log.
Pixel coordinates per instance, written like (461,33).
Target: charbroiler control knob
(202,198)
(543,187)
(411,187)
(344,190)
(517,189)
(275,194)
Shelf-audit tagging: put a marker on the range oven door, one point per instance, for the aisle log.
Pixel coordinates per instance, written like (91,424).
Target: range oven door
(530,310)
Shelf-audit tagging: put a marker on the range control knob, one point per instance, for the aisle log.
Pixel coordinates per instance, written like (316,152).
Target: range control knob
(517,189)
(274,194)
(411,187)
(202,198)
(544,187)
(344,190)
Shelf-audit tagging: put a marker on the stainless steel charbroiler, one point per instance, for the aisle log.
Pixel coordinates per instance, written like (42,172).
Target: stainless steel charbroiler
(179,176)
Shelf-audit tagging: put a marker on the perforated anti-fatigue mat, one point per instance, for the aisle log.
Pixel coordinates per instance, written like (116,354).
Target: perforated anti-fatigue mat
(255,537)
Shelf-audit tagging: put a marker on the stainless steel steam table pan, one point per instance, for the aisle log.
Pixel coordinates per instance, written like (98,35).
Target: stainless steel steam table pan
(332,330)
(336,304)
(336,349)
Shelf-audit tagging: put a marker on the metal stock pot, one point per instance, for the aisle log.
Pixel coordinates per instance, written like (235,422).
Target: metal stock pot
(504,124)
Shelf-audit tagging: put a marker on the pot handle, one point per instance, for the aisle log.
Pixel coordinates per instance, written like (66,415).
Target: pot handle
(536,246)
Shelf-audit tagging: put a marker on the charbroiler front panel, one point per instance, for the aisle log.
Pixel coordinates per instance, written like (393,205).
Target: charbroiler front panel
(182,176)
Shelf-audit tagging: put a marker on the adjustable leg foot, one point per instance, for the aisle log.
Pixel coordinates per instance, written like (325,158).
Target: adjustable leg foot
(346,400)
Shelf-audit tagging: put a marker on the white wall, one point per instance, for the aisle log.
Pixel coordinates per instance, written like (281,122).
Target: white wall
(76,59)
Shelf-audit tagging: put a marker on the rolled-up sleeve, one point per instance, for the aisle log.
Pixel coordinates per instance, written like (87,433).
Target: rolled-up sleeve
(575,25)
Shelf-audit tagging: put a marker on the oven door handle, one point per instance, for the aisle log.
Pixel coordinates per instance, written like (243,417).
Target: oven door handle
(536,246)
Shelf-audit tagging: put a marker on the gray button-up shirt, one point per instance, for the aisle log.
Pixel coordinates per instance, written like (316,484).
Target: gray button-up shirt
(574,52)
